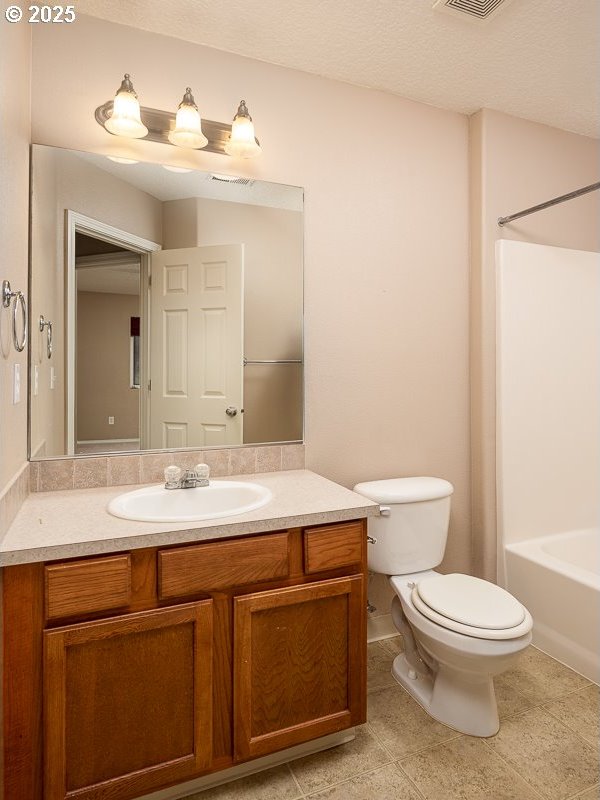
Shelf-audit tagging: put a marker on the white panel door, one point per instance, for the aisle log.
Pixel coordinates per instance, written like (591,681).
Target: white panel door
(196,346)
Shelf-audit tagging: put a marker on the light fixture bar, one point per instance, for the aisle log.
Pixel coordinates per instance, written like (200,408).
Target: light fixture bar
(160,123)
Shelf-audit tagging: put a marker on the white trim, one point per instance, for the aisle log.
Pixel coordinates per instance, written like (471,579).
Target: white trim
(144,427)
(108,233)
(127,259)
(106,441)
(79,223)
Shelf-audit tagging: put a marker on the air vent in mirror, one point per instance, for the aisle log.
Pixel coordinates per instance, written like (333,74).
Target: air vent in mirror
(231,179)
(473,9)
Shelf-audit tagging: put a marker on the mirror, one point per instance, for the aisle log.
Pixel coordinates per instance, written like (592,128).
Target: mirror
(166,307)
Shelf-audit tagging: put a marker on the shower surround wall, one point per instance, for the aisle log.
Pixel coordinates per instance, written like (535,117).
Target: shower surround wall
(548,443)
(548,395)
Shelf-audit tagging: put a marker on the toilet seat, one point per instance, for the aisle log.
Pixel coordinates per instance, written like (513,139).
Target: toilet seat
(470,606)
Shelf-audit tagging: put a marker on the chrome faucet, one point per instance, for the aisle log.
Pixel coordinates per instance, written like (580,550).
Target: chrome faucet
(176,478)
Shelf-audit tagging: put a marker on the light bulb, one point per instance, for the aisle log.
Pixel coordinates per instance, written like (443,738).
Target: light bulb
(188,125)
(125,119)
(242,142)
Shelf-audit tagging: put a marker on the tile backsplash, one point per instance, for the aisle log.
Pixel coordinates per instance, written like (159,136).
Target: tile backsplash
(95,471)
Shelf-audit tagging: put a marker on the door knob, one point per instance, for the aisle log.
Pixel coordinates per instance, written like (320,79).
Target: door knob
(231,411)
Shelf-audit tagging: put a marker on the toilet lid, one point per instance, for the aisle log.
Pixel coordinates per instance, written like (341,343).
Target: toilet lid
(469,601)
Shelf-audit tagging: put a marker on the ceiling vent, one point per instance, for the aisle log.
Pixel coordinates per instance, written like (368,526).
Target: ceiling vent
(471,9)
(231,179)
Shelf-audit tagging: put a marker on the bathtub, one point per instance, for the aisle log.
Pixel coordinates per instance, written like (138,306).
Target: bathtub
(557,578)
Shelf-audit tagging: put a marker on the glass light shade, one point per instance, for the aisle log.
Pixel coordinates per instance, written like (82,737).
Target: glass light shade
(125,119)
(242,142)
(188,125)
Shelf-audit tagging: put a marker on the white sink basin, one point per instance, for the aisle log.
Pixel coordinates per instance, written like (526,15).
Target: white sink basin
(219,499)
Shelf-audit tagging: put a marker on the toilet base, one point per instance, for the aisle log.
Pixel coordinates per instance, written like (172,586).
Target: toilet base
(464,702)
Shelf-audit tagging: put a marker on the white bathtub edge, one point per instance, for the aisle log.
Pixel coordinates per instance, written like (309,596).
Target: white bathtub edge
(568,652)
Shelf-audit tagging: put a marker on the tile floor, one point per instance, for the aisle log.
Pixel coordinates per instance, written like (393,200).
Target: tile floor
(546,749)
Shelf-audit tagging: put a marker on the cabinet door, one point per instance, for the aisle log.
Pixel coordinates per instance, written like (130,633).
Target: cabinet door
(299,664)
(128,703)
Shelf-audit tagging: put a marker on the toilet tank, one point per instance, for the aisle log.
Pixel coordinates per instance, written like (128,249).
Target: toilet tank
(412,529)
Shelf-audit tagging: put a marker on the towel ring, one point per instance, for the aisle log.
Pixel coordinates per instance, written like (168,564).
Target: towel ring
(7,296)
(45,323)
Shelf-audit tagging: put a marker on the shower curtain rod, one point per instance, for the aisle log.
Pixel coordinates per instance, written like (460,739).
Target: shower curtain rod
(593,187)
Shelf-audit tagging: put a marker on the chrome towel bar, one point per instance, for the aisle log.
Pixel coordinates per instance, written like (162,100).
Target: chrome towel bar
(45,323)
(19,298)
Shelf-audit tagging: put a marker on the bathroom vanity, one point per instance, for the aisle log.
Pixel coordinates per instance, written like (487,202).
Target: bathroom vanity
(129,668)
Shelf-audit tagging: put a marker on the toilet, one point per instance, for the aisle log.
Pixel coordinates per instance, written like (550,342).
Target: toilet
(458,631)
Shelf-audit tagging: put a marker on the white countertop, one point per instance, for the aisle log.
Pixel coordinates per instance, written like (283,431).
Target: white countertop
(67,524)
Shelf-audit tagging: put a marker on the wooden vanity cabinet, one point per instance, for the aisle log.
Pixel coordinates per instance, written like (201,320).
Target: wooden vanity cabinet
(298,664)
(128,703)
(142,670)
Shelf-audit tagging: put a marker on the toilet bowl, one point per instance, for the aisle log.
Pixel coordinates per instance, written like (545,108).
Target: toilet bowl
(458,631)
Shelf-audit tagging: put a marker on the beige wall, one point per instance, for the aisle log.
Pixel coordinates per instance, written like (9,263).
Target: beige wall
(514,164)
(14,204)
(273,252)
(63,181)
(386,235)
(103,390)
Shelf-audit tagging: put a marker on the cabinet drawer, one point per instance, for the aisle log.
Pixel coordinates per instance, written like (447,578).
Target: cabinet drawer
(222,565)
(333,546)
(83,587)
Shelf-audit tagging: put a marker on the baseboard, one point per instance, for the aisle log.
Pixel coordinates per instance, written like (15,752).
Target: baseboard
(106,441)
(183,790)
(380,627)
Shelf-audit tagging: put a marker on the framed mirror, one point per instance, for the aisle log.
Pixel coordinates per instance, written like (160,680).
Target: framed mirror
(166,308)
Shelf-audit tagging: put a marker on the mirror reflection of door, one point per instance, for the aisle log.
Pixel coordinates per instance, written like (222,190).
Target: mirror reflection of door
(196,347)
(109,346)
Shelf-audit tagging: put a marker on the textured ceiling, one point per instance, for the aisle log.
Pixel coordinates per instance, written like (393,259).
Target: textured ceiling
(537,59)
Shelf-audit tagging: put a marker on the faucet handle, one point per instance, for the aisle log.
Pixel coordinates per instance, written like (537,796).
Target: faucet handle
(172,475)
(202,471)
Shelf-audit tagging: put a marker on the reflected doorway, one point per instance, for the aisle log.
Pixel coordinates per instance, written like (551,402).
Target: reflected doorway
(107,379)
(109,347)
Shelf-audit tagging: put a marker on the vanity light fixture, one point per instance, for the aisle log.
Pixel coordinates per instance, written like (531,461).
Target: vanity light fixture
(125,117)
(188,125)
(242,143)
